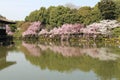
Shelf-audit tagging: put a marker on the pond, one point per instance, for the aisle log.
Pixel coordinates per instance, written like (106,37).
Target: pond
(59,61)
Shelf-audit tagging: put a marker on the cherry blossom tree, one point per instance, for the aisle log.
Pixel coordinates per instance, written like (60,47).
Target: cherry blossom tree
(64,29)
(104,26)
(8,30)
(33,29)
(69,29)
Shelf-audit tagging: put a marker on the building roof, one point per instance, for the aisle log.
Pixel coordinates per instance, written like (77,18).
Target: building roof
(6,21)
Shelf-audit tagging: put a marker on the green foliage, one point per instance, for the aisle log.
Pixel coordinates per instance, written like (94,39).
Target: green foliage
(21,26)
(89,15)
(37,15)
(116,32)
(54,61)
(117,2)
(61,15)
(107,9)
(13,27)
(118,19)
(55,16)
(42,15)
(32,17)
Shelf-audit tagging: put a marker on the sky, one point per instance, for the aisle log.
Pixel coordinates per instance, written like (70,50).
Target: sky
(19,9)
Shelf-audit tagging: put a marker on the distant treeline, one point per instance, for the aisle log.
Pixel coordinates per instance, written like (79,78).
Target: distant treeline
(55,16)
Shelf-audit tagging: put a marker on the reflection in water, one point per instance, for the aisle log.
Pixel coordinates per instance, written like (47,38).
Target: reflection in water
(6,43)
(102,61)
(100,53)
(68,51)
(3,53)
(32,49)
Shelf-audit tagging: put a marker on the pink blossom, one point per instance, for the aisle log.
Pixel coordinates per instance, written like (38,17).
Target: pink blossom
(8,30)
(33,29)
(67,51)
(32,49)
(43,32)
(10,33)
(65,29)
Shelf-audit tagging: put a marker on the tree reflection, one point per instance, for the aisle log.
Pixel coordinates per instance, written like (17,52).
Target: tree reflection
(3,54)
(31,49)
(66,59)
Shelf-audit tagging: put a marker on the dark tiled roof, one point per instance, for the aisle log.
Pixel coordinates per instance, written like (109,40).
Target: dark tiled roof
(6,21)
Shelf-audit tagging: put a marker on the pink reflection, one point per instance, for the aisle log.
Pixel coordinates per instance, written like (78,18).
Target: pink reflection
(67,51)
(32,49)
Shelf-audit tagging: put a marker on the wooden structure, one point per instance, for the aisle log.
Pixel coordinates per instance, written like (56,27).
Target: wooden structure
(3,34)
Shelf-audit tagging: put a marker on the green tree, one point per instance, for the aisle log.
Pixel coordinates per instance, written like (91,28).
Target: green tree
(33,16)
(116,32)
(85,13)
(61,15)
(89,15)
(42,15)
(107,9)
(38,15)
(13,27)
(117,2)
(55,16)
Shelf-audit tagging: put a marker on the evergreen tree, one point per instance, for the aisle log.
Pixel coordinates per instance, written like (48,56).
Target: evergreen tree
(107,9)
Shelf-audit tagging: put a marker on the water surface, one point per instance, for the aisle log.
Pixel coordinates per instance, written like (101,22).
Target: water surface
(59,61)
